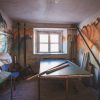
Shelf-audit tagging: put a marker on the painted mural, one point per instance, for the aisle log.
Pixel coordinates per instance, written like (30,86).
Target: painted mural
(28,36)
(91,33)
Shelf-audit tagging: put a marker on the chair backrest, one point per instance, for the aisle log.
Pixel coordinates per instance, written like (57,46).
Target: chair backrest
(90,68)
(5,67)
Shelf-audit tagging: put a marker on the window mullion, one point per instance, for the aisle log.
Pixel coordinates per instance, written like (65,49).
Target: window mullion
(38,42)
(60,42)
(49,42)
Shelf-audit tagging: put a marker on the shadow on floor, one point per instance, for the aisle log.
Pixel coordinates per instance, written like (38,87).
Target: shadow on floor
(50,90)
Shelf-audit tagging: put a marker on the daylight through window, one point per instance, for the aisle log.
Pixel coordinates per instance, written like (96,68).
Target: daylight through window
(48,40)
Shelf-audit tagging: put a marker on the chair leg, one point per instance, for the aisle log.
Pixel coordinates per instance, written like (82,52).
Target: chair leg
(14,84)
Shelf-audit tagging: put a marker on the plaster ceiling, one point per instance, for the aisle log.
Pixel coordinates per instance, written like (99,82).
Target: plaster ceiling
(50,11)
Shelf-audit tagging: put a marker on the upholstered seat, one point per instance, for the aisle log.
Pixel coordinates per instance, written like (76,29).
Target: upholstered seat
(15,74)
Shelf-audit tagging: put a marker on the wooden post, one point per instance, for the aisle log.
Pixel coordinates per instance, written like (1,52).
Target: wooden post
(39,87)
(66,93)
(24,44)
(18,42)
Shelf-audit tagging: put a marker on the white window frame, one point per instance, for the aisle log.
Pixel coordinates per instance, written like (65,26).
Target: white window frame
(58,31)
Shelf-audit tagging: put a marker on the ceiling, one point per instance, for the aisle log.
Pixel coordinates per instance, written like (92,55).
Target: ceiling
(50,11)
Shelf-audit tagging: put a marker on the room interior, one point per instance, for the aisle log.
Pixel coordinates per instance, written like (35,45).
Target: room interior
(32,31)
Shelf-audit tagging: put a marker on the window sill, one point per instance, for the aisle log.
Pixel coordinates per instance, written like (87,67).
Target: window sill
(48,53)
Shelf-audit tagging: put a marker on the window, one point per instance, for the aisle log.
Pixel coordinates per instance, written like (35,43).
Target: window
(48,40)
(3,42)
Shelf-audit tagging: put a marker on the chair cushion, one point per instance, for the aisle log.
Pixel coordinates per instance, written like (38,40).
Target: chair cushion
(15,74)
(5,67)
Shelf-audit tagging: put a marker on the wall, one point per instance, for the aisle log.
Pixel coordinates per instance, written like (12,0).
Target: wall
(8,21)
(90,19)
(90,29)
(31,58)
(7,30)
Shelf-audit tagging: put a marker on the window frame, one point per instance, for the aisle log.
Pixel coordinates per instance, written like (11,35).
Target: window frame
(63,35)
(49,42)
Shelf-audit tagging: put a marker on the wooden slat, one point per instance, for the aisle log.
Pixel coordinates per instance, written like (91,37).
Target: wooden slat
(18,24)
(24,44)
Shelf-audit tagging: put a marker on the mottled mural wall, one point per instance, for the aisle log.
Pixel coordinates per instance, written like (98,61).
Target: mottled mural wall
(29,46)
(31,58)
(91,33)
(8,21)
(8,31)
(19,43)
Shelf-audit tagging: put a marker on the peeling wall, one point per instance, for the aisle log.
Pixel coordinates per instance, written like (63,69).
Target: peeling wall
(90,29)
(90,19)
(8,21)
(31,58)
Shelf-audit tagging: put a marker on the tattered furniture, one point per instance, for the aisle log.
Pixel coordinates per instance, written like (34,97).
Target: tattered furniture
(14,73)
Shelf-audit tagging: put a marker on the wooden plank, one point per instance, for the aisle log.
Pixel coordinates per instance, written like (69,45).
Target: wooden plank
(24,44)
(18,24)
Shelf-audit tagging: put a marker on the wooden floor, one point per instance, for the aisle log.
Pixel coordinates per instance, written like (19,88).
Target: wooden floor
(50,90)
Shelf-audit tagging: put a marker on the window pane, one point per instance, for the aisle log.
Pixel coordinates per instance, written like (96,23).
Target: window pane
(44,38)
(54,38)
(43,47)
(54,47)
